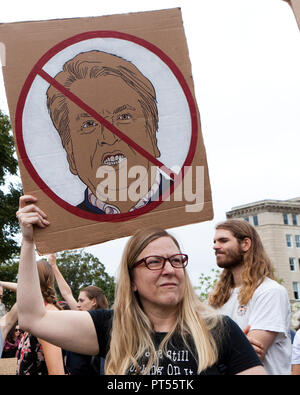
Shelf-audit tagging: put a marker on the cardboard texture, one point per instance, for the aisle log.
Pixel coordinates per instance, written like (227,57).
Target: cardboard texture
(295,4)
(106,125)
(8,366)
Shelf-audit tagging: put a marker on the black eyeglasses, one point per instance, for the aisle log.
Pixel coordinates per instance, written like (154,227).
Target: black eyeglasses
(155,262)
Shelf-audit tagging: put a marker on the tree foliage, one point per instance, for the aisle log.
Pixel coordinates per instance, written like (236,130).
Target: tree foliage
(8,163)
(81,269)
(9,193)
(78,267)
(9,272)
(207,283)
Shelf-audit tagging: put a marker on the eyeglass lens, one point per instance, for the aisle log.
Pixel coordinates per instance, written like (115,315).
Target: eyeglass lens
(157,262)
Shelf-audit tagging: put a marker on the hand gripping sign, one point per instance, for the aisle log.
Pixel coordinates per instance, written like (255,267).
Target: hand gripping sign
(108,132)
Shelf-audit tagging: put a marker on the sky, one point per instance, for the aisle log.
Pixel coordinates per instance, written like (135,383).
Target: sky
(245,57)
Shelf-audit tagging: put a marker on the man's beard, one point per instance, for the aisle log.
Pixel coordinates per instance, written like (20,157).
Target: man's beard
(230,259)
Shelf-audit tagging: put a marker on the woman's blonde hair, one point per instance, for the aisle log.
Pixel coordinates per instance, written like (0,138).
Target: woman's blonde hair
(256,265)
(132,330)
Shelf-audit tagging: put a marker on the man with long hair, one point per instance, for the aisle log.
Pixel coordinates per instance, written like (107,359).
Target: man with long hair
(248,293)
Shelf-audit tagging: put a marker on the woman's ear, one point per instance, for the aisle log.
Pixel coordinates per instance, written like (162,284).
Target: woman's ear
(133,286)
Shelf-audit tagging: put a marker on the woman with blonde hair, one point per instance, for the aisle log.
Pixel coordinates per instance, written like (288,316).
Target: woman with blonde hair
(157,325)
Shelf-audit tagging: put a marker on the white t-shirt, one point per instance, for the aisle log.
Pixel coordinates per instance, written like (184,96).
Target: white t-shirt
(269,310)
(296,349)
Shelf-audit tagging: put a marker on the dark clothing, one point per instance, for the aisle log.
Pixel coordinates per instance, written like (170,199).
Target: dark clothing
(235,352)
(10,349)
(87,206)
(30,357)
(82,365)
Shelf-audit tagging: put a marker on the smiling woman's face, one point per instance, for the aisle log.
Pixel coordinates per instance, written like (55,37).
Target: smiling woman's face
(92,145)
(159,288)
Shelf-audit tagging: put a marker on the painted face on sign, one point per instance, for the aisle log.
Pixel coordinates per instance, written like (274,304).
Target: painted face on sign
(92,146)
(120,93)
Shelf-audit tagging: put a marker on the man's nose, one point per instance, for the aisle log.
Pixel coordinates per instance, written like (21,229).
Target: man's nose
(216,246)
(107,137)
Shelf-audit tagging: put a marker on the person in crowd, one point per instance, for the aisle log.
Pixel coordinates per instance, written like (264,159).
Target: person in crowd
(2,307)
(6,323)
(157,325)
(10,318)
(12,341)
(5,285)
(37,356)
(90,298)
(292,333)
(296,352)
(248,293)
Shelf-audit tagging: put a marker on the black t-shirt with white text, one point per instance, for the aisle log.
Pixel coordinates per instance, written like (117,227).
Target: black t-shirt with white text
(235,352)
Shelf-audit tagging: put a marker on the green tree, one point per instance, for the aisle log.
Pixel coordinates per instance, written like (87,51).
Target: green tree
(81,269)
(9,193)
(9,201)
(78,267)
(9,272)
(207,283)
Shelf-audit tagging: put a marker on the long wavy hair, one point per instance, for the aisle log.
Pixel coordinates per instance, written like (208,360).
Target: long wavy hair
(132,330)
(46,276)
(256,265)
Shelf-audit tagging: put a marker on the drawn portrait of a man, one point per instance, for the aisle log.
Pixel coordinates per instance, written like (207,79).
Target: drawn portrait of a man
(120,93)
(106,128)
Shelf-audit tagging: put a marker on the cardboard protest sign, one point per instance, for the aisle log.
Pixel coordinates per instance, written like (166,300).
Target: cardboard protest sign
(106,125)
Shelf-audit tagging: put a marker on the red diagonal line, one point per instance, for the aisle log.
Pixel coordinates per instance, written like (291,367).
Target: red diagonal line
(104,122)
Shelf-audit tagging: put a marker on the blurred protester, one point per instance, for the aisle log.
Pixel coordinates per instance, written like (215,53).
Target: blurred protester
(6,323)
(296,352)
(37,357)
(90,298)
(8,320)
(2,307)
(247,293)
(12,342)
